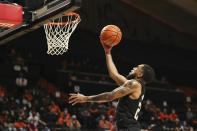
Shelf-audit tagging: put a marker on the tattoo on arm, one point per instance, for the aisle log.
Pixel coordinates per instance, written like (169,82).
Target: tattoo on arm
(116,93)
(103,97)
(123,90)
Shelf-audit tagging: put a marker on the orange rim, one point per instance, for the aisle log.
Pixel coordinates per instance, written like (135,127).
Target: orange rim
(65,23)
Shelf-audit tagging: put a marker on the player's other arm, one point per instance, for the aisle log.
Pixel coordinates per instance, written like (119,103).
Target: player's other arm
(113,72)
(126,89)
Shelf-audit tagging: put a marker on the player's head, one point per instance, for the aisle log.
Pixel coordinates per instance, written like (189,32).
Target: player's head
(144,72)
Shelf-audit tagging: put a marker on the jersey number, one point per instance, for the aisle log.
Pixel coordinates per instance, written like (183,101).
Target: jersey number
(138,109)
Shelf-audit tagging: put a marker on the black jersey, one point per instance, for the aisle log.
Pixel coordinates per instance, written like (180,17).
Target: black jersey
(128,110)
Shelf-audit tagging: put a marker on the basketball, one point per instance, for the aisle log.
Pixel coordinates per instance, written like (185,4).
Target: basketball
(110,35)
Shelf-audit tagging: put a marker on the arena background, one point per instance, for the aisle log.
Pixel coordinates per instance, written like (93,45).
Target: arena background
(163,35)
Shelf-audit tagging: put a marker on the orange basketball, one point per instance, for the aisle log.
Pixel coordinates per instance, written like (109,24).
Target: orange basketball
(110,35)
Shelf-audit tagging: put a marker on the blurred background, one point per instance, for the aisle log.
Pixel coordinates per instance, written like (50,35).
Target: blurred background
(34,86)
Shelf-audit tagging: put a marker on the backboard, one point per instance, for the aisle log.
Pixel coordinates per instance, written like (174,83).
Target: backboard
(39,17)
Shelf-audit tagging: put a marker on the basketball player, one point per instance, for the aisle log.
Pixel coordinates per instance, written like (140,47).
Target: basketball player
(130,92)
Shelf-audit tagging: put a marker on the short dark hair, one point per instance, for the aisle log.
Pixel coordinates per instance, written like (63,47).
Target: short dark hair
(148,73)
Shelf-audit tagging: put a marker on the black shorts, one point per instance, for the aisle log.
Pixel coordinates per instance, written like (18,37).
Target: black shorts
(130,129)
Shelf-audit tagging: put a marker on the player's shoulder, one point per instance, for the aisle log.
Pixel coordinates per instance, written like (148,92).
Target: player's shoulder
(133,83)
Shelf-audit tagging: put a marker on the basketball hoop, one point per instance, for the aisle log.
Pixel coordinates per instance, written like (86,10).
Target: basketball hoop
(58,33)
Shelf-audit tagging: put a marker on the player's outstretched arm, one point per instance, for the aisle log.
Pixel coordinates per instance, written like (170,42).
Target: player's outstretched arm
(113,72)
(128,88)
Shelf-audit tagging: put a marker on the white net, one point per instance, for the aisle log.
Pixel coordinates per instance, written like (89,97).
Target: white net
(58,33)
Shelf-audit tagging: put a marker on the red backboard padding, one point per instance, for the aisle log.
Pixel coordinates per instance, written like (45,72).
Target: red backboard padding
(10,15)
